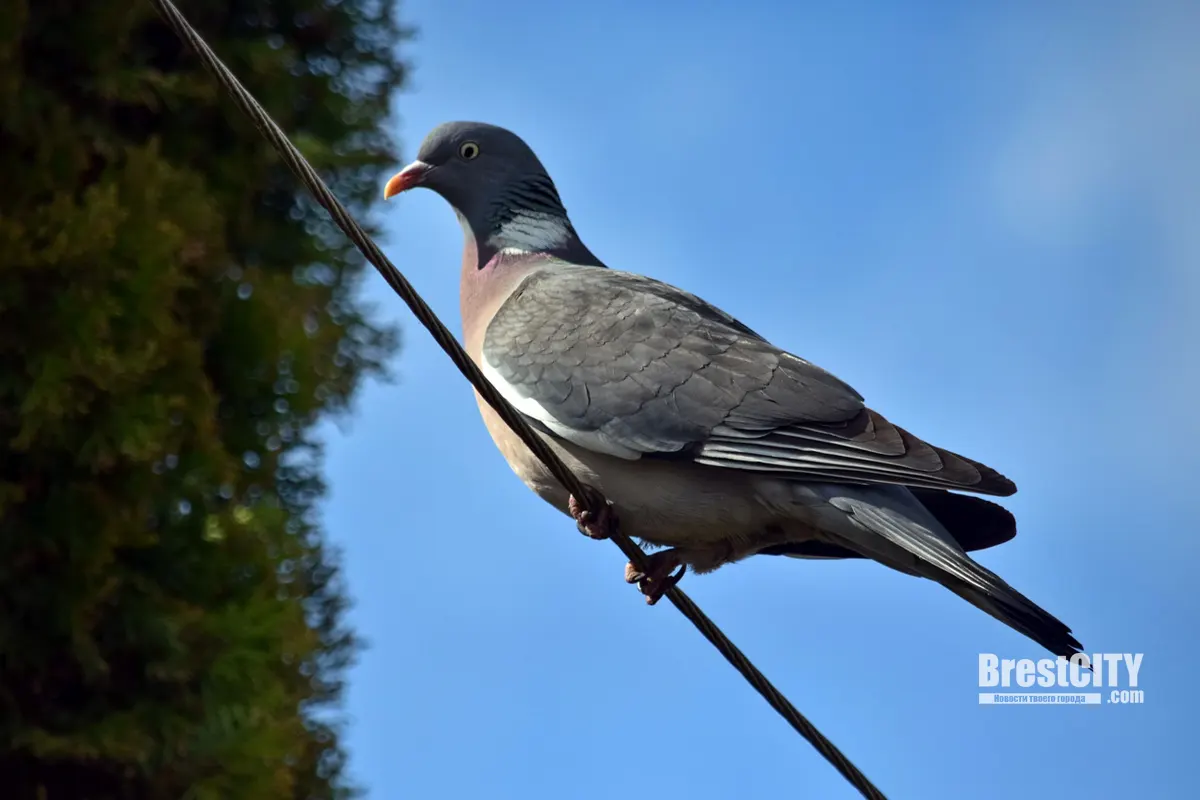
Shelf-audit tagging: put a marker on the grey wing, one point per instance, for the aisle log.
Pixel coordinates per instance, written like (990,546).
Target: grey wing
(628,366)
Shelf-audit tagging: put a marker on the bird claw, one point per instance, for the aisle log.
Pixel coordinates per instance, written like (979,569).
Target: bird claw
(660,574)
(659,577)
(593,525)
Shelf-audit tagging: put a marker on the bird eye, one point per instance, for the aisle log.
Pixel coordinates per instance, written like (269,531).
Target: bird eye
(468,151)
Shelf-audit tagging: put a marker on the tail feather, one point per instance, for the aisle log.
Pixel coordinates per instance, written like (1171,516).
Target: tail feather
(891,526)
(1016,611)
(975,523)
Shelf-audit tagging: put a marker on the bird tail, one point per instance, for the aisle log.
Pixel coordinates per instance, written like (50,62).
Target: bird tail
(889,525)
(987,591)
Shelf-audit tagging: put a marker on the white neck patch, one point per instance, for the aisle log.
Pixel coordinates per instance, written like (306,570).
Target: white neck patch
(531,232)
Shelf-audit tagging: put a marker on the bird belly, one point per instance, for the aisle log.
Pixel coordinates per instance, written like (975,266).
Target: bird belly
(667,503)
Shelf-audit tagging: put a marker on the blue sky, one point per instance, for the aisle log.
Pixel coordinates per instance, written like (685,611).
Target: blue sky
(983,217)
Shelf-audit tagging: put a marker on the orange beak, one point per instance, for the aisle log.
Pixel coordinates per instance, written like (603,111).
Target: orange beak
(412,175)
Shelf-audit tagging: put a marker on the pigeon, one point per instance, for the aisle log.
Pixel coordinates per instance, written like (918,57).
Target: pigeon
(707,440)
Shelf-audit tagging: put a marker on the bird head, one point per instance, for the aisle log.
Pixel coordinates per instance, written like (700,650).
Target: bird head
(497,185)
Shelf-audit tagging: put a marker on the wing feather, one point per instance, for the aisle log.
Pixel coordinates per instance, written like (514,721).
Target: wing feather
(632,367)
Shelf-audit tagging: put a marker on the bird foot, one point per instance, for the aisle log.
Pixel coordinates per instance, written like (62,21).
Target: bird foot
(660,574)
(593,525)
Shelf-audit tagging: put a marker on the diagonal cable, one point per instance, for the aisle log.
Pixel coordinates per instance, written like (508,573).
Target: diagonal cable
(588,497)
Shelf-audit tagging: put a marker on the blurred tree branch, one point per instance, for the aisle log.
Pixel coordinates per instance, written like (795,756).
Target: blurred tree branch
(175,317)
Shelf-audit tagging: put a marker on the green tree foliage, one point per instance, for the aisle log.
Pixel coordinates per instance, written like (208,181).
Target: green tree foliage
(175,317)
